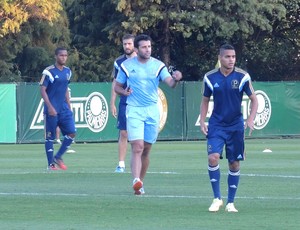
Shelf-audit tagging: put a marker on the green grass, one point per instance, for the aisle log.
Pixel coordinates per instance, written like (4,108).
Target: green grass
(89,195)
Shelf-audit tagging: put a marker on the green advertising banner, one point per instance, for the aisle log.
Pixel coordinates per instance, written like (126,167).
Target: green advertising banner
(8,119)
(278,112)
(172,109)
(90,105)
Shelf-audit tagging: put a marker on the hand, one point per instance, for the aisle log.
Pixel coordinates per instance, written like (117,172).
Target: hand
(127,91)
(250,124)
(113,110)
(52,111)
(203,128)
(177,75)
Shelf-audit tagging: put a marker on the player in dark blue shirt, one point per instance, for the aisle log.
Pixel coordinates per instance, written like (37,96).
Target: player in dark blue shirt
(57,108)
(128,48)
(226,85)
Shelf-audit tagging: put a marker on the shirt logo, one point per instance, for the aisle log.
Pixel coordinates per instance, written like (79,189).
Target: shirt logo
(216,85)
(235,84)
(56,76)
(240,157)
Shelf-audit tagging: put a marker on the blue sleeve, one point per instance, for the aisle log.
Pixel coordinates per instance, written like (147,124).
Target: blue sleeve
(248,89)
(207,87)
(121,76)
(164,73)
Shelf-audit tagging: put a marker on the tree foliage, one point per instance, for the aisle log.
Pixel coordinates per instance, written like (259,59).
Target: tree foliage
(29,45)
(185,33)
(14,13)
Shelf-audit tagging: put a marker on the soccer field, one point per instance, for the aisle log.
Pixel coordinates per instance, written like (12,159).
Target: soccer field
(89,195)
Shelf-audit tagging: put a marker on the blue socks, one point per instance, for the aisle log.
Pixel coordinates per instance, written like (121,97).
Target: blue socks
(49,150)
(64,146)
(214,176)
(233,182)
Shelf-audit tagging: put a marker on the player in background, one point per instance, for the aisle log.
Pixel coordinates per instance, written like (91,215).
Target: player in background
(128,48)
(57,135)
(142,74)
(226,127)
(57,108)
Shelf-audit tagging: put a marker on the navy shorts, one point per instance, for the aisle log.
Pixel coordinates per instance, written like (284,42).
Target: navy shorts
(64,121)
(233,140)
(122,117)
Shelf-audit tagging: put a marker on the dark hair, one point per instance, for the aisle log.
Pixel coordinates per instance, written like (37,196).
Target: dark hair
(141,37)
(128,36)
(226,47)
(58,49)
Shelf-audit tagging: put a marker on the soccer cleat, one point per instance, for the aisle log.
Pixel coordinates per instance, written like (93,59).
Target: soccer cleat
(58,141)
(141,191)
(215,206)
(60,164)
(120,169)
(137,185)
(230,208)
(52,167)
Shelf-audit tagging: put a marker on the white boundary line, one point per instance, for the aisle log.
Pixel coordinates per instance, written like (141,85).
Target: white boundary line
(142,196)
(170,173)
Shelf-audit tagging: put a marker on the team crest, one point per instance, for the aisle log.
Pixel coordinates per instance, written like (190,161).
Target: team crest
(264,110)
(235,84)
(163,109)
(96,112)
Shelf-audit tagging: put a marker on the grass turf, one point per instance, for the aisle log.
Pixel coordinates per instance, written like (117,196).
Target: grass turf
(89,195)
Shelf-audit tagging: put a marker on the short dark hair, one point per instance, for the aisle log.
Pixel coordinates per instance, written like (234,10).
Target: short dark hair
(141,37)
(128,36)
(226,47)
(58,49)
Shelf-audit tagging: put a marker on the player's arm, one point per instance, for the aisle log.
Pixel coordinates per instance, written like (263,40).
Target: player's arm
(173,79)
(113,97)
(253,110)
(68,98)
(118,88)
(51,109)
(203,113)
(120,81)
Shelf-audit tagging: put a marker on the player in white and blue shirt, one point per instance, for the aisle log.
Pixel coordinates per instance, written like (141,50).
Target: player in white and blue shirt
(142,75)
(57,108)
(226,85)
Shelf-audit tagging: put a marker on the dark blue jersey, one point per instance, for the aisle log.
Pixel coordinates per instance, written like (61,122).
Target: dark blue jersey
(117,65)
(56,82)
(227,95)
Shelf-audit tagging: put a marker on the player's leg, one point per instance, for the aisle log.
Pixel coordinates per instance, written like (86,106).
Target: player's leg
(122,141)
(135,131)
(67,126)
(234,153)
(58,135)
(50,123)
(215,144)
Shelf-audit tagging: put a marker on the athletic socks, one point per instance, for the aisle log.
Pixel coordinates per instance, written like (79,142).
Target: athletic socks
(64,146)
(214,176)
(233,181)
(49,150)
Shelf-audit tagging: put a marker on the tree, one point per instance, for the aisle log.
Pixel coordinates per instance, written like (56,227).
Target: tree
(95,52)
(195,29)
(14,13)
(29,34)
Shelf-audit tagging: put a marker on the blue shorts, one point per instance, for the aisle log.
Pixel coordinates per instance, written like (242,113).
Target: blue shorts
(142,123)
(233,140)
(64,121)
(122,117)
